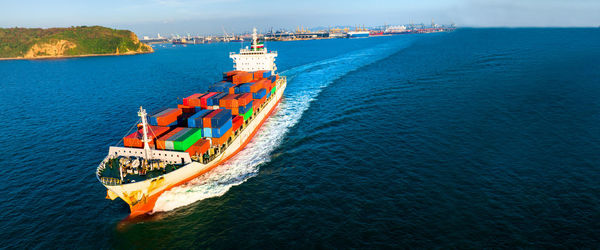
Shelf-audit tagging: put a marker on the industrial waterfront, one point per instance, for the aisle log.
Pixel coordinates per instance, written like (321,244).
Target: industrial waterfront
(301,33)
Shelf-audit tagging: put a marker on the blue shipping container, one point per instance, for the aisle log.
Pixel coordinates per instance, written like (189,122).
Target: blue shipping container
(221,87)
(266,74)
(243,110)
(219,132)
(245,88)
(207,132)
(259,94)
(214,100)
(195,121)
(221,118)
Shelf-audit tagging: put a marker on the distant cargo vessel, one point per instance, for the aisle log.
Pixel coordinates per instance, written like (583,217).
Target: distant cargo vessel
(358,34)
(175,145)
(395,30)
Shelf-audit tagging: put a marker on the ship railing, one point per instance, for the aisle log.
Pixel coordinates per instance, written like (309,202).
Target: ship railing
(259,52)
(110,181)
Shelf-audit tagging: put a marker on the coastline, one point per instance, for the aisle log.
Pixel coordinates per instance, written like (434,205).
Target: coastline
(74,56)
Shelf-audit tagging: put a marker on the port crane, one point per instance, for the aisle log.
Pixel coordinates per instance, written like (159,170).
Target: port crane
(226,37)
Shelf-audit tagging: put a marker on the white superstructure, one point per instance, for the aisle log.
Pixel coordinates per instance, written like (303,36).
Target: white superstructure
(255,58)
(395,29)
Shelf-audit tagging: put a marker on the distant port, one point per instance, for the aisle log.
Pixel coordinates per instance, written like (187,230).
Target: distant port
(305,34)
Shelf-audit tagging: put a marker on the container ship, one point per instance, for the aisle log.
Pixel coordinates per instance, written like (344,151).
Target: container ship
(174,145)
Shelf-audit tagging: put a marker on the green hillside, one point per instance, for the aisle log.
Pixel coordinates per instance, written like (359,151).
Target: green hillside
(83,40)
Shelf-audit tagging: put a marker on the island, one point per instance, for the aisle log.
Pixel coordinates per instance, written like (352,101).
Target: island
(37,43)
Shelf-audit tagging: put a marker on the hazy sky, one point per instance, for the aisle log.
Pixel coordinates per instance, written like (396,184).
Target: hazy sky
(147,17)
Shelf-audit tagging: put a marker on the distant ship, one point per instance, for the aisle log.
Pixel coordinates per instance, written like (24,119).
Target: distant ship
(358,34)
(375,33)
(395,30)
(176,145)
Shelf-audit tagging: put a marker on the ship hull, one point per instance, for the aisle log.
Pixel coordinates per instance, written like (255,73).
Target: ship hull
(142,196)
(358,34)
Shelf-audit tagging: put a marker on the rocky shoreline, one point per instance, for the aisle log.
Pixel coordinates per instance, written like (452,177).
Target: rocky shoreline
(73,56)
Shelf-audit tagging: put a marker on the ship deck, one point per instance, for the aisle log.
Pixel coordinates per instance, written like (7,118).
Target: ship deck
(110,175)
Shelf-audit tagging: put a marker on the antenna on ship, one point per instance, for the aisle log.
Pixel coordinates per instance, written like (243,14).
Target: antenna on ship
(142,113)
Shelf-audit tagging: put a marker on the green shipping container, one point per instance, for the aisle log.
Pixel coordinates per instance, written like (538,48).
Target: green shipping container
(248,114)
(188,139)
(273,90)
(169,143)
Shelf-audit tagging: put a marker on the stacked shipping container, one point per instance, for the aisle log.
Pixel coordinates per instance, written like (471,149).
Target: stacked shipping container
(213,115)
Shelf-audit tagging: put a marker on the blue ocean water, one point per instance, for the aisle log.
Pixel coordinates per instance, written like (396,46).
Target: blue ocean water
(470,139)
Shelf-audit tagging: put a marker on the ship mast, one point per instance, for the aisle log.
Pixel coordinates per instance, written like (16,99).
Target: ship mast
(254,39)
(142,114)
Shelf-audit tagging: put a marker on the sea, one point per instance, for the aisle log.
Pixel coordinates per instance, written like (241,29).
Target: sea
(477,138)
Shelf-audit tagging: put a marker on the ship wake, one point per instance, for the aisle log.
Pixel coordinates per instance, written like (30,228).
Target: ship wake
(304,85)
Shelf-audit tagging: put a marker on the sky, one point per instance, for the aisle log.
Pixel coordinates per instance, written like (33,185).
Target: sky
(202,17)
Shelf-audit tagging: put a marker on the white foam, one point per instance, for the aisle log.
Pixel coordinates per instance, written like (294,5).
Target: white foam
(304,84)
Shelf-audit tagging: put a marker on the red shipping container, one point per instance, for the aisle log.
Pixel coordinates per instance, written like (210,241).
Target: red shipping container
(160,142)
(186,101)
(223,139)
(168,118)
(205,97)
(244,99)
(199,148)
(237,122)
(207,118)
(135,139)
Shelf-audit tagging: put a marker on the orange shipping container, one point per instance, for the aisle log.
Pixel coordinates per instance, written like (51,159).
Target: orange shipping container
(231,73)
(206,120)
(244,99)
(168,118)
(199,147)
(160,142)
(135,139)
(229,101)
(259,74)
(223,139)
(257,102)
(186,101)
(242,77)
(264,84)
